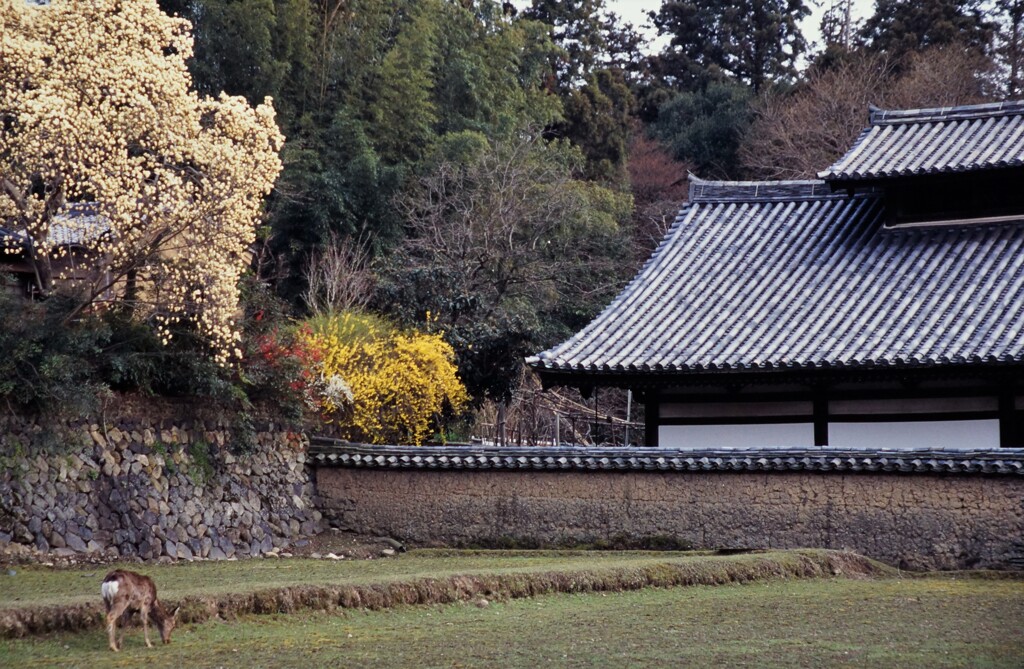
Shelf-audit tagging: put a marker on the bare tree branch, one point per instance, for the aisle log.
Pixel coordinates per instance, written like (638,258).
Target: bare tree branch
(339,278)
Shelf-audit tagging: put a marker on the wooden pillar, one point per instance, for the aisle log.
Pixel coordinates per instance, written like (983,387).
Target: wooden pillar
(651,417)
(1011,421)
(820,419)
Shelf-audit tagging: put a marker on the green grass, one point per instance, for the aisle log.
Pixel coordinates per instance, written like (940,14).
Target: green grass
(931,622)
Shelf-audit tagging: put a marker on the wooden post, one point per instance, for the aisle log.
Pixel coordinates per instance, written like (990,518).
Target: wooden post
(651,416)
(629,414)
(820,419)
(1011,424)
(502,434)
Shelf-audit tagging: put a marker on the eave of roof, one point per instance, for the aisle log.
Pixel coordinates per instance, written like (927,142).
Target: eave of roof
(12,243)
(918,142)
(786,276)
(992,372)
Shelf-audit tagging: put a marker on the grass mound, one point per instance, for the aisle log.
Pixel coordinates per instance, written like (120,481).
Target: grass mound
(498,585)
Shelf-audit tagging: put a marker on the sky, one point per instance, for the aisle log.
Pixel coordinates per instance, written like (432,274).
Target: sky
(635,12)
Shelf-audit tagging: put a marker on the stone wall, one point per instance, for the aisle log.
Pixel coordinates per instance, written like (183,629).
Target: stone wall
(921,521)
(153,481)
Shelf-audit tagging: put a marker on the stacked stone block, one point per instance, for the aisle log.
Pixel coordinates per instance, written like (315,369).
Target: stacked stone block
(153,486)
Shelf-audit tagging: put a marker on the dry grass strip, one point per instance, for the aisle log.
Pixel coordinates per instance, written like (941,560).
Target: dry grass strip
(713,571)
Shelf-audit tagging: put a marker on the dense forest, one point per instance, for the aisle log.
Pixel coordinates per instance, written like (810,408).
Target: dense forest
(492,173)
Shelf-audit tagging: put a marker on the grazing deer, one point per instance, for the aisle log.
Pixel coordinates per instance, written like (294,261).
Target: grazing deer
(127,591)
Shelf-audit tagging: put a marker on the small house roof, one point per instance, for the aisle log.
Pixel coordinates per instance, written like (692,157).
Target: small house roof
(787,275)
(918,142)
(80,224)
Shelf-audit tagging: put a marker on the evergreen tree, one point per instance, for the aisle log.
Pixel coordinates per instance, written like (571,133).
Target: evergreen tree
(394,79)
(597,53)
(402,113)
(899,27)
(491,72)
(1011,44)
(839,34)
(756,42)
(576,28)
(705,128)
(597,119)
(254,48)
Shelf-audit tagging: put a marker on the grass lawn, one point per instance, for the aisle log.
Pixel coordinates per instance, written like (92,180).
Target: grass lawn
(933,622)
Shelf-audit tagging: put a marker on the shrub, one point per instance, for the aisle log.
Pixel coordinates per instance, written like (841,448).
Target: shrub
(402,384)
(136,360)
(278,368)
(281,366)
(45,363)
(59,362)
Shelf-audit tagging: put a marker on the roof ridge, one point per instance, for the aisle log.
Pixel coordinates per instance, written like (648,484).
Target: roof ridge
(879,116)
(702,190)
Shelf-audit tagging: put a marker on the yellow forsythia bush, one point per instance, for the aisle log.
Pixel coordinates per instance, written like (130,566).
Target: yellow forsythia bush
(400,381)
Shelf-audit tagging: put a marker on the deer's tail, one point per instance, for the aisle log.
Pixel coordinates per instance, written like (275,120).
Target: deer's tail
(109,590)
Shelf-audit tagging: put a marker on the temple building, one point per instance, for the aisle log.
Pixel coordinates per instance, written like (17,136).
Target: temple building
(879,306)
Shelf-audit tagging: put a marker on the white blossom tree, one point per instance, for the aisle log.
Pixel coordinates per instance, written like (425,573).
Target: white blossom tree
(96,107)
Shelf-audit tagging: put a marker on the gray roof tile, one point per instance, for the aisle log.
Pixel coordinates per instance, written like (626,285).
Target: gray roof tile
(934,141)
(783,275)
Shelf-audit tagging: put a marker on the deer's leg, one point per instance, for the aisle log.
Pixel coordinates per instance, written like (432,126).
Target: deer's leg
(111,623)
(113,613)
(144,612)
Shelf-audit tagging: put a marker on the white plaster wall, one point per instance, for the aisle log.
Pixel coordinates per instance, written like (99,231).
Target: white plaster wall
(966,434)
(736,436)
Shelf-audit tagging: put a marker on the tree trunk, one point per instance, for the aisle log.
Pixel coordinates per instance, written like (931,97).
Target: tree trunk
(502,433)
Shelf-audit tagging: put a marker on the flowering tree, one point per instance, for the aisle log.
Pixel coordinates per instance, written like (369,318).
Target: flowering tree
(96,107)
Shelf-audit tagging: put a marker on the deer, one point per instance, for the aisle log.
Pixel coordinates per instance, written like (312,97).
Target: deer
(125,591)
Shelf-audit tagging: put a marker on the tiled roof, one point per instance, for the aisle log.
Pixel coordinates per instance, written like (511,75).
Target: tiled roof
(934,141)
(331,453)
(778,275)
(79,225)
